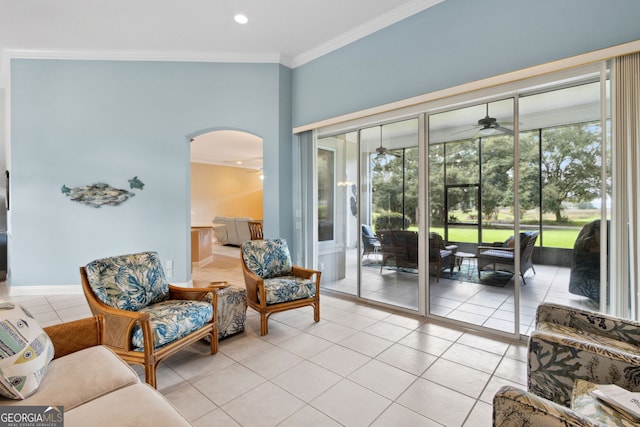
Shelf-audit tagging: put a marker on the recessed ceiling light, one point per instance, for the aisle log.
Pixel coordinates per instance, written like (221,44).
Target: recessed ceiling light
(241,19)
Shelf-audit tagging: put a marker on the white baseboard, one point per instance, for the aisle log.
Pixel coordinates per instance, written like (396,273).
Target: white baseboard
(45,290)
(202,262)
(63,289)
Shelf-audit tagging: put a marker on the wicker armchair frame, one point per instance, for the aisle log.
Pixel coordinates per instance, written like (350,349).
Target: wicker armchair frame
(257,297)
(118,328)
(255,230)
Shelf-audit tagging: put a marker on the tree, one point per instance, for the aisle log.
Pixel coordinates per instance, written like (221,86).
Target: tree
(395,182)
(570,166)
(497,174)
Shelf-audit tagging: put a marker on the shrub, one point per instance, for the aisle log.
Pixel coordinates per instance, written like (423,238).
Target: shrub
(391,221)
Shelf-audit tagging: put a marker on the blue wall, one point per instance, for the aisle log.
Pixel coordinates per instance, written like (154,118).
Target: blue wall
(455,42)
(81,122)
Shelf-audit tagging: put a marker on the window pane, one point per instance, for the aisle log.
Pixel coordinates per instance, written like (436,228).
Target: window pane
(326,185)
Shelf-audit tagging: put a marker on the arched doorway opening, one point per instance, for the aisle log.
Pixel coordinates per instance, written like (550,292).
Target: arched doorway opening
(226,190)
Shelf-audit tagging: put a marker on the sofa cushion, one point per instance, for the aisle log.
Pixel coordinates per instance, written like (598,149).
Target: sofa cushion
(288,288)
(128,282)
(497,253)
(80,377)
(136,405)
(173,319)
(587,337)
(25,352)
(267,258)
(584,403)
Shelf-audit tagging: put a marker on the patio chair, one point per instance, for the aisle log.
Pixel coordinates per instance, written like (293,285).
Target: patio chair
(370,243)
(146,319)
(585,262)
(441,256)
(274,284)
(401,246)
(501,257)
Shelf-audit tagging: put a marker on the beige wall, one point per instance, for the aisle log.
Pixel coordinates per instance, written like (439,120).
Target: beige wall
(224,191)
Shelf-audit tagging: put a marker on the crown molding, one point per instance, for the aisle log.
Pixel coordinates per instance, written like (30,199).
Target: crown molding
(361,31)
(112,55)
(393,16)
(108,55)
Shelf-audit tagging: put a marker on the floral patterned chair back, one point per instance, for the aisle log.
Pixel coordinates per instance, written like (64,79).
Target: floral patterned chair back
(128,282)
(267,258)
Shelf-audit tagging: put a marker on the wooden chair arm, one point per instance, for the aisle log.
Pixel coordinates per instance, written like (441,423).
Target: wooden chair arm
(76,335)
(197,294)
(119,324)
(305,273)
(255,286)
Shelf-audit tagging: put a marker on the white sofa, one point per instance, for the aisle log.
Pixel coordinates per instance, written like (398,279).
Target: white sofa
(235,230)
(95,386)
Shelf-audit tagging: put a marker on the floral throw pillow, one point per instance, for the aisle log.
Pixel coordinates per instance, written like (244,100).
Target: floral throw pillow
(25,352)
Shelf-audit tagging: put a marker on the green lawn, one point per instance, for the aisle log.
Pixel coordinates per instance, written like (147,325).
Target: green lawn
(553,237)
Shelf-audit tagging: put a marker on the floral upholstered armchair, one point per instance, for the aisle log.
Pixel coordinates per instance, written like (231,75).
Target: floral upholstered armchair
(570,351)
(274,284)
(145,318)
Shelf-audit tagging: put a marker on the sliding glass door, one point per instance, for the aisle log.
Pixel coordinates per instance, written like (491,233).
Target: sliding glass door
(471,206)
(389,213)
(516,195)
(516,203)
(367,207)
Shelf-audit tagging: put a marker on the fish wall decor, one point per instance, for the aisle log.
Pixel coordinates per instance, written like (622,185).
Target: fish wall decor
(101,194)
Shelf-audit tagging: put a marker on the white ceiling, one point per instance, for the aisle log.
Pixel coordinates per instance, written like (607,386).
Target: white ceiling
(228,148)
(291,32)
(287,31)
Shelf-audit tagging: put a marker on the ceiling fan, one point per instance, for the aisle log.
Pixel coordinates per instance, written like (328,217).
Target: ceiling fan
(488,124)
(383,151)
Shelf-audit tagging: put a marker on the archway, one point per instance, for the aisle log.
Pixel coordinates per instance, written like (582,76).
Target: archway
(226,183)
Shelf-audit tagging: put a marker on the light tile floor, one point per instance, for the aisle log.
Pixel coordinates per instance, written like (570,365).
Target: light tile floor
(359,366)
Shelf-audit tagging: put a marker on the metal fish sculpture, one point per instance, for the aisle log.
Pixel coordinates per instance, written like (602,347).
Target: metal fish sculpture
(136,183)
(97,195)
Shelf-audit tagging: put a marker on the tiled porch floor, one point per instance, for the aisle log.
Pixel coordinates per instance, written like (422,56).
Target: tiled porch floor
(481,305)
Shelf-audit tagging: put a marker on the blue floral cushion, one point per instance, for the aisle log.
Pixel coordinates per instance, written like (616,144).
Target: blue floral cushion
(128,282)
(267,258)
(173,319)
(232,311)
(288,288)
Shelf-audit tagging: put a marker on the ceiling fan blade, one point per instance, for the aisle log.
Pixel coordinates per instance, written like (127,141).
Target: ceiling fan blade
(504,130)
(476,128)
